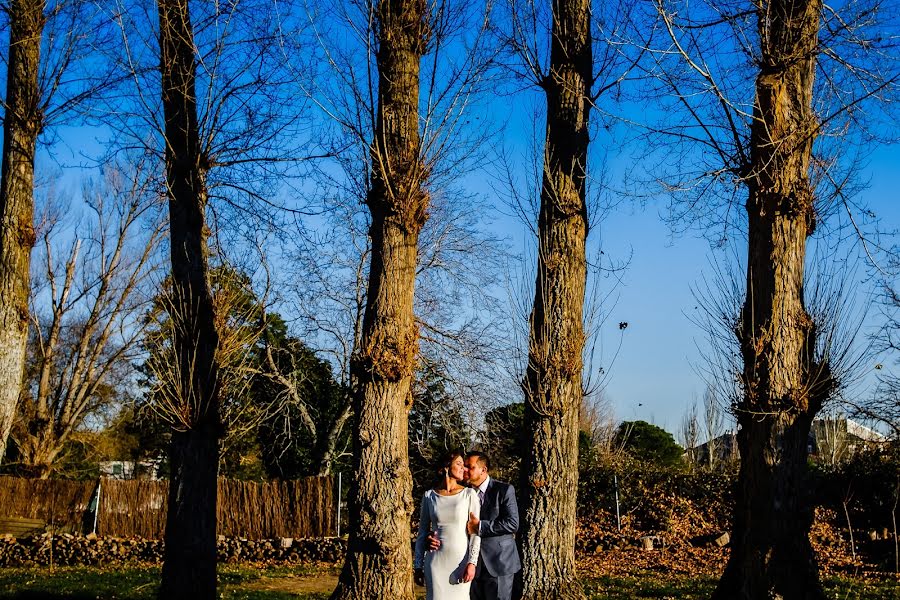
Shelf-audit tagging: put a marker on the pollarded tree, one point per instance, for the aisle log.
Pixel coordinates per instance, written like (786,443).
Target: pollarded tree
(553,384)
(403,75)
(378,553)
(574,64)
(21,126)
(768,148)
(205,90)
(189,566)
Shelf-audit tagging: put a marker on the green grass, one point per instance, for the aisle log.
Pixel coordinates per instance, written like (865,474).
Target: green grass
(135,583)
(241,582)
(79,583)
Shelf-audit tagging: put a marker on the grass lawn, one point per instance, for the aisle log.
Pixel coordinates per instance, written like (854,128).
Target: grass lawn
(241,582)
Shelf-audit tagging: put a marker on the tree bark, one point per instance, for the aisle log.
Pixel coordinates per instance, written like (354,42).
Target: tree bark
(553,389)
(22,123)
(189,567)
(784,388)
(379,558)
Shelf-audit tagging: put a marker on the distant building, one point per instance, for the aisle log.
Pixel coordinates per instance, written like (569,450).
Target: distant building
(831,440)
(130,469)
(834,439)
(724,449)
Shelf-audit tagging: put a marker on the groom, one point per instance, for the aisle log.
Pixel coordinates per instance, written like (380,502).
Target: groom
(497,524)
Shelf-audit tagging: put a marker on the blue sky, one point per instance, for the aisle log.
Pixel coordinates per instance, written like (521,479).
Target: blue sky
(655,377)
(655,373)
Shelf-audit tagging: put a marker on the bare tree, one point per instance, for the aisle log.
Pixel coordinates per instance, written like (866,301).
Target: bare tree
(552,384)
(770,149)
(830,434)
(690,432)
(21,126)
(282,369)
(189,567)
(45,83)
(96,292)
(206,90)
(713,424)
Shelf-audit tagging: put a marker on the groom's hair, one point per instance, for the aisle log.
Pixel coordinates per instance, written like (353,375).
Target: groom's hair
(482,458)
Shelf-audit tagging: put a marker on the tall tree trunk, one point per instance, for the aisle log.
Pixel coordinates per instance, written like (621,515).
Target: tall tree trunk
(189,567)
(552,384)
(771,554)
(379,557)
(22,123)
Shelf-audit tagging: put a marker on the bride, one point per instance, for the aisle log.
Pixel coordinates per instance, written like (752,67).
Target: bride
(447,572)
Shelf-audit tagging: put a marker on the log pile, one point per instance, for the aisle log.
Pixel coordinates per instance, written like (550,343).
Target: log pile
(68,549)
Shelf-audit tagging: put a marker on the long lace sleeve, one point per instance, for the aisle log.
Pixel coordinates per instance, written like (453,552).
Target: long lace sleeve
(474,540)
(424,530)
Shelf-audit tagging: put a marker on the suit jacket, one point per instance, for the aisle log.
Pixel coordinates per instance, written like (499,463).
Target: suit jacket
(499,523)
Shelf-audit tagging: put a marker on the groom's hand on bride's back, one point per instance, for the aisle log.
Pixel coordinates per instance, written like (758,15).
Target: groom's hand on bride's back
(434,542)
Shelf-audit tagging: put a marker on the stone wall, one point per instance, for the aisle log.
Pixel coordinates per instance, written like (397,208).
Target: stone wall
(68,549)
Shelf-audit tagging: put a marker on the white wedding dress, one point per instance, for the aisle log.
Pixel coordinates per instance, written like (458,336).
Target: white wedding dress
(444,567)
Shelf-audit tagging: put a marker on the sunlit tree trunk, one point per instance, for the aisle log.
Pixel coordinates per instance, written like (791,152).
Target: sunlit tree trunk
(552,384)
(189,567)
(771,555)
(22,123)
(379,557)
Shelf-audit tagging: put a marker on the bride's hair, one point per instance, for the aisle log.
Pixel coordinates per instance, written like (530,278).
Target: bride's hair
(442,466)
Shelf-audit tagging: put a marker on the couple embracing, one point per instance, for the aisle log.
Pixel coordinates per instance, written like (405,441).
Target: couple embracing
(466,547)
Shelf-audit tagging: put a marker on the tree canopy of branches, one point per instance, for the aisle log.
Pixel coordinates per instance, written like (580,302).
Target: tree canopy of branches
(307,433)
(818,73)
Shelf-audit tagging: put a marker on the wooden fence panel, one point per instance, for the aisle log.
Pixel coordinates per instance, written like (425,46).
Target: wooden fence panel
(300,509)
(61,504)
(303,508)
(133,508)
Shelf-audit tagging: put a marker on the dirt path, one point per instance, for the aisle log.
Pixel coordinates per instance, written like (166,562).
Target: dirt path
(295,584)
(315,583)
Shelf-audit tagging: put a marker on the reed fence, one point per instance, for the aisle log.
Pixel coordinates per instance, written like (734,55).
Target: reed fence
(62,505)
(303,508)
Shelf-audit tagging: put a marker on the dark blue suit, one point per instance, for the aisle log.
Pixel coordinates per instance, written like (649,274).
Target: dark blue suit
(499,559)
